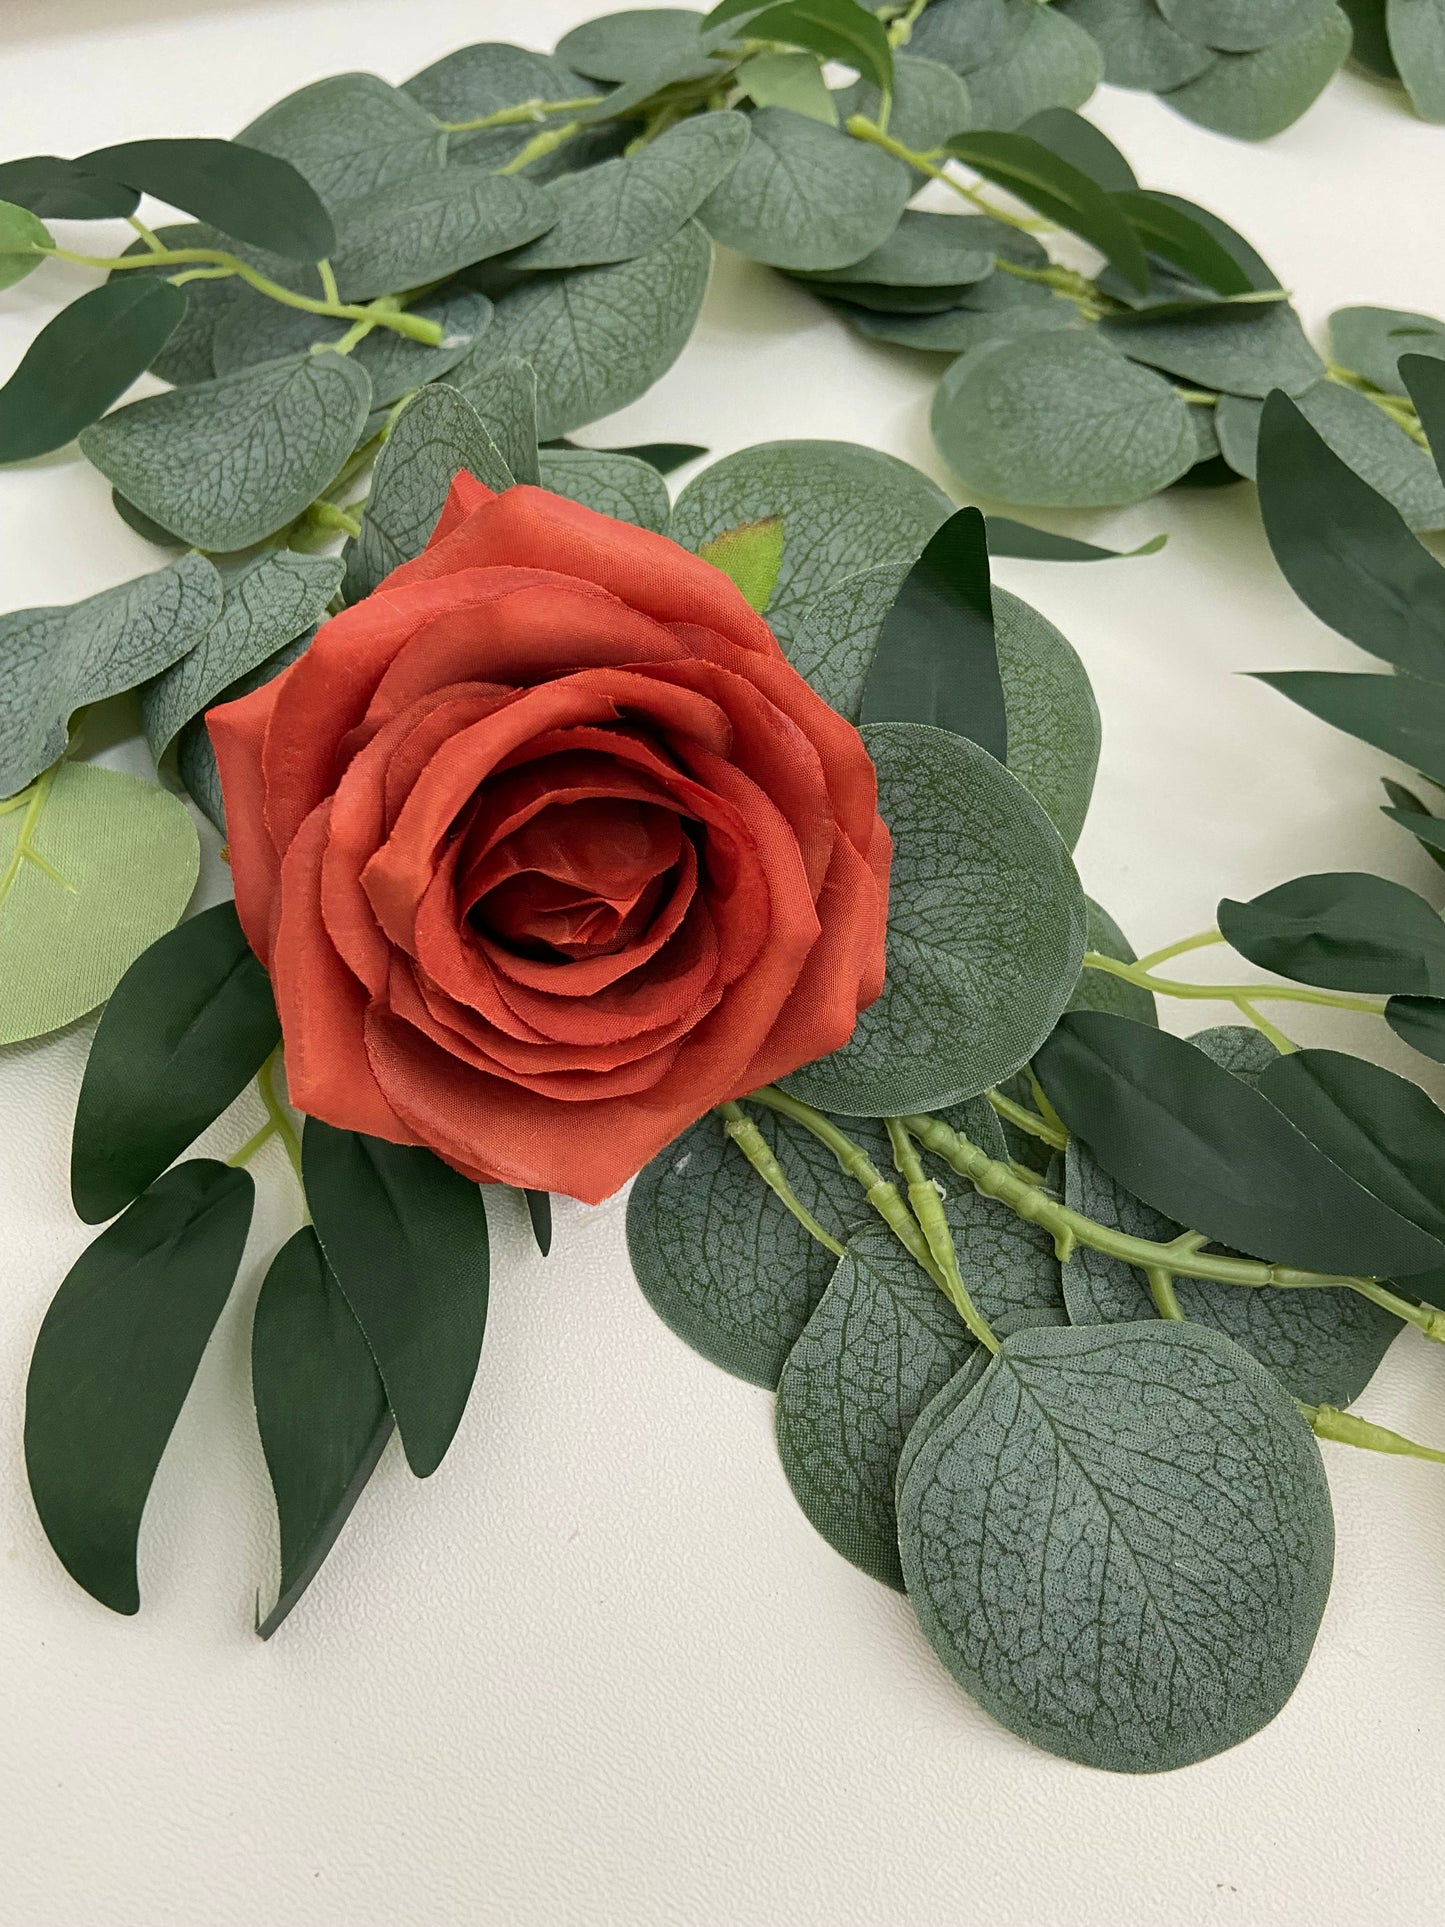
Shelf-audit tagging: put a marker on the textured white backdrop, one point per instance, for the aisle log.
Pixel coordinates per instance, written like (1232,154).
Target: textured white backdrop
(599,1669)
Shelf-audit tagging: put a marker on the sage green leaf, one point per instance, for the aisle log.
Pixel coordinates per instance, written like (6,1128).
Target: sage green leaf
(252,329)
(1176,236)
(350,134)
(55,661)
(876,297)
(1139,47)
(436,435)
(1370,342)
(963,34)
(113,1363)
(58,190)
(320,1410)
(1062,420)
(1007,537)
(1241,26)
(23,239)
(268,602)
(617,485)
(1100,989)
(600,337)
(1239,1049)
(963,329)
(1420,1023)
(1052,63)
(1255,95)
(1120,1542)
(1344,931)
(504,394)
(1425,380)
(794,81)
(1402,715)
(985,932)
(1324,1347)
(720,1260)
(1082,145)
(1360,434)
(1256,270)
(929,102)
(1413,815)
(480,80)
(539,1212)
(1344,550)
(253,196)
(936,660)
(187,353)
(1417,46)
(1371,47)
(926,251)
(93,867)
(226,462)
(1049,708)
(426,228)
(806,196)
(617,46)
(406,1237)
(834,29)
(135,519)
(1240,348)
(1380,1128)
(196,759)
(750,556)
(633,204)
(186,1029)
(843,508)
(1058,190)
(1199,1145)
(82,360)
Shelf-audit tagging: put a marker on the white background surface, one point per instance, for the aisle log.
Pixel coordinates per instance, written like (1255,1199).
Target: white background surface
(599,1669)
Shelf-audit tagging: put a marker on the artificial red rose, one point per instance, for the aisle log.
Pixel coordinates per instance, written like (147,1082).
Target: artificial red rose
(548,849)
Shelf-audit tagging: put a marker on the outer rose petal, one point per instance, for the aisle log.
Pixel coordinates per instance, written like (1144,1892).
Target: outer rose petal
(237,731)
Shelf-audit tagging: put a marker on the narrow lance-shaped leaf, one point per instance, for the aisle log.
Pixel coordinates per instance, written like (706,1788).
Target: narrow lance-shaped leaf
(406,1237)
(836,29)
(1208,1151)
(1059,190)
(1424,376)
(184,1032)
(240,190)
(1175,236)
(58,190)
(83,360)
(1402,715)
(539,1213)
(1344,931)
(320,1409)
(936,659)
(114,1361)
(1007,537)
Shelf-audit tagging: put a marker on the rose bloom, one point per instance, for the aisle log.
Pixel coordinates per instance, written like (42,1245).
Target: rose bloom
(548,849)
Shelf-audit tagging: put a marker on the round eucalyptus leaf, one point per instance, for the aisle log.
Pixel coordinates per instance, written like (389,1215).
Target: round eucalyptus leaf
(1053,62)
(350,134)
(963,34)
(1241,26)
(961,330)
(986,925)
(1243,349)
(1063,421)
(1370,342)
(618,46)
(930,102)
(429,226)
(612,483)
(482,79)
(1417,45)
(1120,1542)
(1100,989)
(1139,47)
(1255,95)
(925,250)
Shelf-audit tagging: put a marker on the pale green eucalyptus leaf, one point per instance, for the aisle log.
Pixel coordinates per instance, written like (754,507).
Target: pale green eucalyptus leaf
(1120,1542)
(1416,31)
(925,250)
(350,134)
(430,226)
(963,34)
(1370,342)
(504,393)
(188,354)
(225,462)
(1139,47)
(1255,95)
(1100,989)
(986,926)
(1052,63)
(616,485)
(619,46)
(791,80)
(479,80)
(1242,26)
(962,330)
(54,661)
(1239,349)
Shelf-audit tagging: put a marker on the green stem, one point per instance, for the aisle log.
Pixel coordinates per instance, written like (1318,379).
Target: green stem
(1171,950)
(1400,411)
(901,29)
(1284,1045)
(1183,1257)
(153,241)
(327,515)
(547,142)
(1204,397)
(277,1114)
(414,327)
(863,129)
(754,1147)
(1027,1120)
(522,114)
(928,1210)
(252,1145)
(1227,993)
(1161,1289)
(1328,1422)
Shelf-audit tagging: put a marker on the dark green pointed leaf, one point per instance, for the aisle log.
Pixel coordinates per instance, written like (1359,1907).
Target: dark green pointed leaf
(1344,550)
(1058,190)
(253,196)
(1007,537)
(539,1212)
(58,190)
(600,337)
(936,660)
(55,661)
(1370,342)
(1241,348)
(1424,377)
(406,1237)
(1083,146)
(1256,95)
(114,1361)
(185,1030)
(1324,1347)
(436,435)
(320,1409)
(229,461)
(613,484)
(1120,1542)
(1371,44)
(985,932)
(350,134)
(1402,715)
(1419,1022)
(1199,1145)
(1256,270)
(268,601)
(806,196)
(1412,814)
(1346,930)
(720,1260)
(82,361)
(195,758)
(663,456)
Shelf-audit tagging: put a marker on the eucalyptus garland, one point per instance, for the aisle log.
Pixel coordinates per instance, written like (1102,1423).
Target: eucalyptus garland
(1054,1304)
